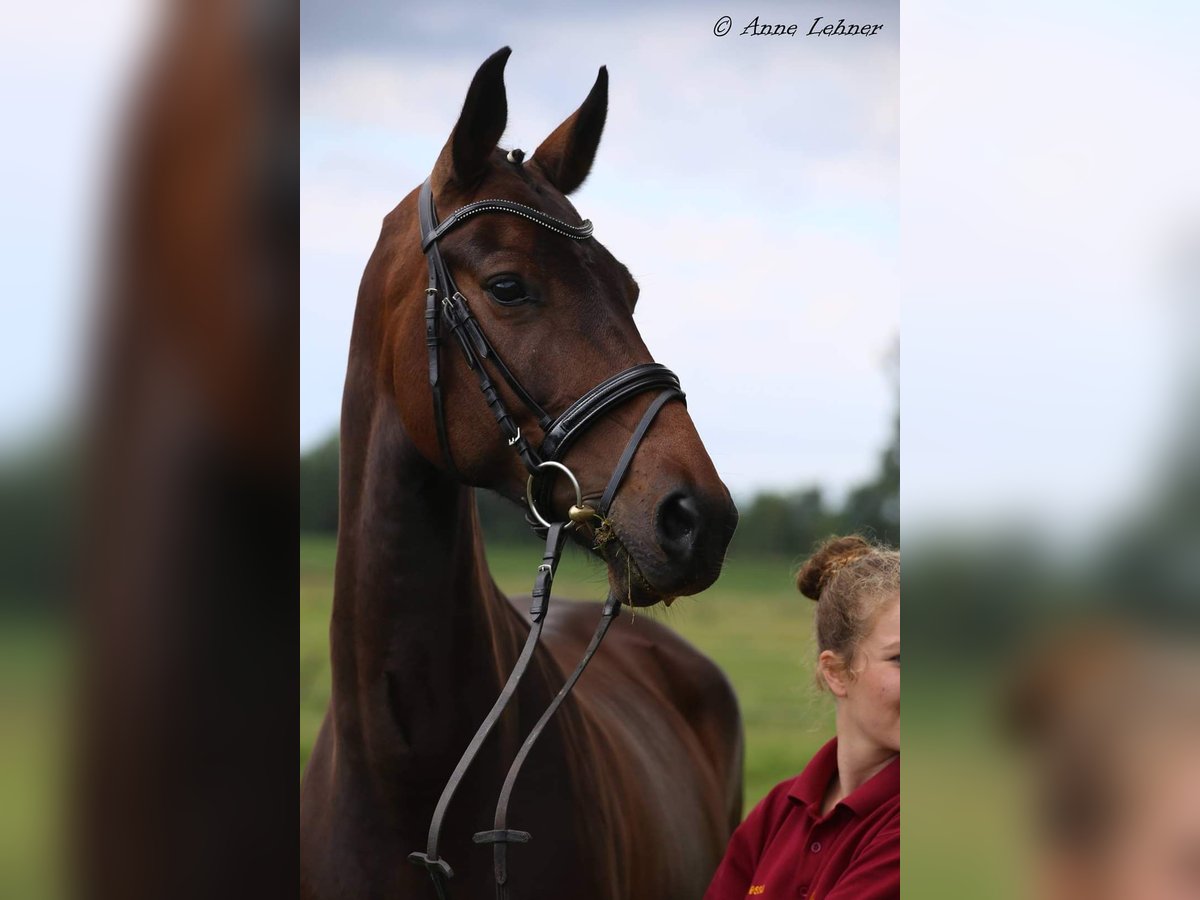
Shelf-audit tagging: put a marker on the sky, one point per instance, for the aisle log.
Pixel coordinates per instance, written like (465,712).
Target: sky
(1050,199)
(62,90)
(759,190)
(749,183)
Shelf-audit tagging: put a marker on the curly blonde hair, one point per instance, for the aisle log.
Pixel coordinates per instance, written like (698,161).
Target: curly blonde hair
(851,579)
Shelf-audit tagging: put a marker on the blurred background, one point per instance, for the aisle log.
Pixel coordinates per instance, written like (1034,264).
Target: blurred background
(147,459)
(1047,269)
(750,185)
(150,241)
(63,90)
(1051,444)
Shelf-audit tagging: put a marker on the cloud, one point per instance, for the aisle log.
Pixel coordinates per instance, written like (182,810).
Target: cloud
(1038,210)
(750,187)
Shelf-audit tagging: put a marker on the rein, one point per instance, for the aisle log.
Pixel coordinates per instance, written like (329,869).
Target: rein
(447,308)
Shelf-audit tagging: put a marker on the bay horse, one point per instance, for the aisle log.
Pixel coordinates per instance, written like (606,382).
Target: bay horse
(636,785)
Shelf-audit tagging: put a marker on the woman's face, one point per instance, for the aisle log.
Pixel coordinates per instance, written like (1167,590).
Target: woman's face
(871,702)
(1156,854)
(1153,850)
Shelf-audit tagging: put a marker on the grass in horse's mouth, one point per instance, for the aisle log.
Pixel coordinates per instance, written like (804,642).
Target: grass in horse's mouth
(608,544)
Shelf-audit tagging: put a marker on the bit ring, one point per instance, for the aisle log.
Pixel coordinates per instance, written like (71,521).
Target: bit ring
(529,488)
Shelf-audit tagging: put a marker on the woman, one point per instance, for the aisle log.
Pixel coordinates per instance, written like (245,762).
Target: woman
(833,831)
(1110,717)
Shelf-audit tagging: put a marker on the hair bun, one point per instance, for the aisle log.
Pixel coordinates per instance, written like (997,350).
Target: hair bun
(831,556)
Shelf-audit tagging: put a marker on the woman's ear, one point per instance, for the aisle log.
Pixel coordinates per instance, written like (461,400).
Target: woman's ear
(834,671)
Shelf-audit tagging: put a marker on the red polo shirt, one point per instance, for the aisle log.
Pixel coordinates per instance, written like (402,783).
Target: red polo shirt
(786,848)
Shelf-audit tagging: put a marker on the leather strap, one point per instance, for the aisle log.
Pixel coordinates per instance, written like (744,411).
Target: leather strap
(501,835)
(439,868)
(445,302)
(458,311)
(558,433)
(437,274)
(618,474)
(604,396)
(599,400)
(464,326)
(579,232)
(475,345)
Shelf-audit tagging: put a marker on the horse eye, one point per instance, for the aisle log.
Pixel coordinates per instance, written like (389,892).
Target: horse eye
(507,290)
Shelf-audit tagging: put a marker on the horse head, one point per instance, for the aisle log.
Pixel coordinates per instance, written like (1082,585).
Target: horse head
(556,310)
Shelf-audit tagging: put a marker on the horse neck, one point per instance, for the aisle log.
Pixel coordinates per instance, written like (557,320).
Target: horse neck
(421,636)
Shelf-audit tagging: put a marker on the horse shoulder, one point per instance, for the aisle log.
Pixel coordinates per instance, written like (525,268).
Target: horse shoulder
(654,660)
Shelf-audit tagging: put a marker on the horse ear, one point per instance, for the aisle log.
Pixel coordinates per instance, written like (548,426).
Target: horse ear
(480,124)
(565,157)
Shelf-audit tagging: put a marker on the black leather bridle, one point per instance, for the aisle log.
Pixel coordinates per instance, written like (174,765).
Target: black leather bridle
(446,307)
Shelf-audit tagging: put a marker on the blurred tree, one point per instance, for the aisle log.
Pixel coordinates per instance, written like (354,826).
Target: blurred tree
(786,525)
(812,520)
(874,507)
(773,523)
(319,487)
(502,520)
(765,526)
(37,503)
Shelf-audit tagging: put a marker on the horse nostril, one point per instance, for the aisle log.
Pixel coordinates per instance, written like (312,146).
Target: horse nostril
(678,522)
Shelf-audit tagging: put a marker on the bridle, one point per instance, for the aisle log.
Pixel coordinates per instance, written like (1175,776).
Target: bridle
(445,303)
(446,306)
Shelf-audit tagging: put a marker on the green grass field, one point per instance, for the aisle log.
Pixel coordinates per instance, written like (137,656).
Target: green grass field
(33,726)
(964,821)
(753,623)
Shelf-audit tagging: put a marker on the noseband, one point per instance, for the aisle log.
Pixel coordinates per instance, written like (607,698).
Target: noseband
(446,308)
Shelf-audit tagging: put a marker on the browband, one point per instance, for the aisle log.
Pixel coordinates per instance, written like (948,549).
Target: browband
(575,232)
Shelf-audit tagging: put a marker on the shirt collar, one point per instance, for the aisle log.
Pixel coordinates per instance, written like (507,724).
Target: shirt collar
(810,785)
